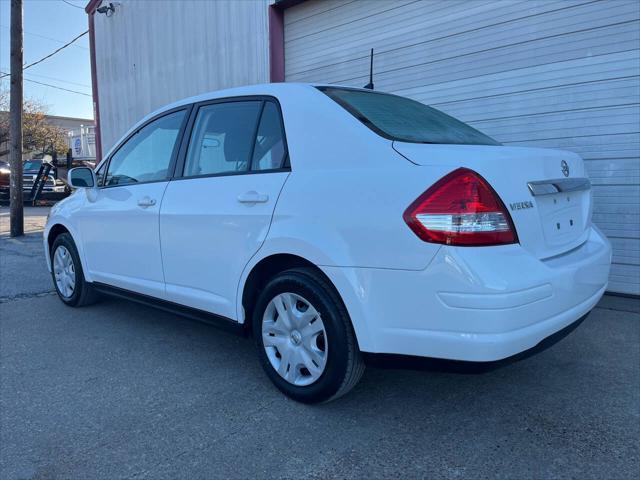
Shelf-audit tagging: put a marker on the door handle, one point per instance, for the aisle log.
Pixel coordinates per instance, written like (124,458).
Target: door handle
(145,202)
(253,197)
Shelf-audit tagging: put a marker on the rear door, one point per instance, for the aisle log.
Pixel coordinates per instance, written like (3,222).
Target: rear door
(216,214)
(119,226)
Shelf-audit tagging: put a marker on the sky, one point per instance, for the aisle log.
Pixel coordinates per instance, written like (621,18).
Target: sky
(49,24)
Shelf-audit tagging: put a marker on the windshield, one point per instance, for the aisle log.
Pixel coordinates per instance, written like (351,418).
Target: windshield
(405,120)
(32,165)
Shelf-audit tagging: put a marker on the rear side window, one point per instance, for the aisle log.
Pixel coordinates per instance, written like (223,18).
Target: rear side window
(146,156)
(222,138)
(269,150)
(405,120)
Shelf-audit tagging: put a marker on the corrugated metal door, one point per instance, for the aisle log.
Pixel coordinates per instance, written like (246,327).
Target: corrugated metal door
(561,74)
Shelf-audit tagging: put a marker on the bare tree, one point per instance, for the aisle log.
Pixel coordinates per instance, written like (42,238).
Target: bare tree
(38,135)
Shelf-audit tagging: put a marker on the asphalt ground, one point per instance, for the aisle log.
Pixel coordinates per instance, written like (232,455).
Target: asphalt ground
(120,390)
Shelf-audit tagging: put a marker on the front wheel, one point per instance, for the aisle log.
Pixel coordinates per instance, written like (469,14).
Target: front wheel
(304,337)
(68,277)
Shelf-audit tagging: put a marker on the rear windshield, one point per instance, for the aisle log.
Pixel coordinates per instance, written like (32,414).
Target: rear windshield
(405,120)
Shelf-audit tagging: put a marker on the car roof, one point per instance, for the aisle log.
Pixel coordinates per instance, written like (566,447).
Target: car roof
(273,89)
(259,89)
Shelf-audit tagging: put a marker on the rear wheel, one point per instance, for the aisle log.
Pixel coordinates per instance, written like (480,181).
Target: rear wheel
(304,337)
(68,277)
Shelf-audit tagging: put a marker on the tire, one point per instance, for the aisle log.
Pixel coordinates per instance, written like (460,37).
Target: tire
(81,292)
(334,361)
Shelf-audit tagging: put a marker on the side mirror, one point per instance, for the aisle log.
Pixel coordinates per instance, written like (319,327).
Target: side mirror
(81,177)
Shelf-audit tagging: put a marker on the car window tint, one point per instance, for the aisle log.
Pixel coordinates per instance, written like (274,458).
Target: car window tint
(269,150)
(222,138)
(405,120)
(146,156)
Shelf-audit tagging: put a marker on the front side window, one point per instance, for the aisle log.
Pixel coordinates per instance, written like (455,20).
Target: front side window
(222,138)
(405,120)
(100,174)
(269,150)
(146,156)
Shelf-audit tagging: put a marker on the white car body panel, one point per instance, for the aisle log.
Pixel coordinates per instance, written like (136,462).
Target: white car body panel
(63,214)
(341,209)
(208,236)
(114,222)
(465,306)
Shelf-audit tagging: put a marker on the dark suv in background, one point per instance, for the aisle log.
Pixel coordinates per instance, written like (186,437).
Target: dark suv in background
(53,184)
(4,180)
(54,188)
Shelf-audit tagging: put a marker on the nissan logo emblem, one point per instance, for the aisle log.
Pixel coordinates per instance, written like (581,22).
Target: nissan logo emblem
(565,168)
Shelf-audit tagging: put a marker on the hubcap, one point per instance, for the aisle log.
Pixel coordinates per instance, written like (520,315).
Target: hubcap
(294,339)
(64,271)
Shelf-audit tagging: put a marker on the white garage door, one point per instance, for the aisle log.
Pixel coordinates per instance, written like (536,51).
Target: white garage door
(559,74)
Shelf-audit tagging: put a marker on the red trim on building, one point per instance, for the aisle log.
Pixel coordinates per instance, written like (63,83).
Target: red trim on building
(276,37)
(91,6)
(276,43)
(94,81)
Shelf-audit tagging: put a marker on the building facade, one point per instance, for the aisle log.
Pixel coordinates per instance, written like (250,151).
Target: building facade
(80,133)
(548,73)
(82,142)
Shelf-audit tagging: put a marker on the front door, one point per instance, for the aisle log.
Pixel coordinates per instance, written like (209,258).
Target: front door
(215,217)
(119,227)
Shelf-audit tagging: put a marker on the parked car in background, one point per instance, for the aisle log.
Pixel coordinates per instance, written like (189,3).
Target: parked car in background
(5,172)
(83,163)
(53,189)
(331,221)
(33,166)
(30,170)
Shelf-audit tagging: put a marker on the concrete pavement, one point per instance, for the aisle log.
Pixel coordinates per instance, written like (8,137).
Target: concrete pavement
(119,390)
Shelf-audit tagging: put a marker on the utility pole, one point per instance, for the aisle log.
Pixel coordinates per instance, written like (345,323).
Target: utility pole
(16,211)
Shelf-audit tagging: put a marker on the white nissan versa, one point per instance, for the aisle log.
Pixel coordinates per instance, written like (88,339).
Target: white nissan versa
(333,221)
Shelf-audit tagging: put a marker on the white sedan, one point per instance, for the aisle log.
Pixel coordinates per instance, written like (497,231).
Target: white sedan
(330,221)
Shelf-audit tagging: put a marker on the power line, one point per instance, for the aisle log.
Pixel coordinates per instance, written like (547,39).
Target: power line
(71,4)
(61,80)
(53,86)
(51,54)
(57,40)
(59,88)
(56,51)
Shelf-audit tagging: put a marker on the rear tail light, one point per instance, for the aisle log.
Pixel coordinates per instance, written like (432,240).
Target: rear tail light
(461,209)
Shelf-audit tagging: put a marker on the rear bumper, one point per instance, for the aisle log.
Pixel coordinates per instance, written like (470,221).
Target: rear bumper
(474,304)
(463,366)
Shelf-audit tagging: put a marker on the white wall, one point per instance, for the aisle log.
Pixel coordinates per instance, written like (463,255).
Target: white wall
(543,73)
(149,54)
(82,142)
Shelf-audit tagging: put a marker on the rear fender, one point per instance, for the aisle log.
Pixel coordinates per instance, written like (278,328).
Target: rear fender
(340,278)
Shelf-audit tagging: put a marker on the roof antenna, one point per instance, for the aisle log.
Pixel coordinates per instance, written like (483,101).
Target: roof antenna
(370,84)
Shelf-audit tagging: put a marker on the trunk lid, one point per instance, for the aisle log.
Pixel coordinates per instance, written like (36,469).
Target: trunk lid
(545,191)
